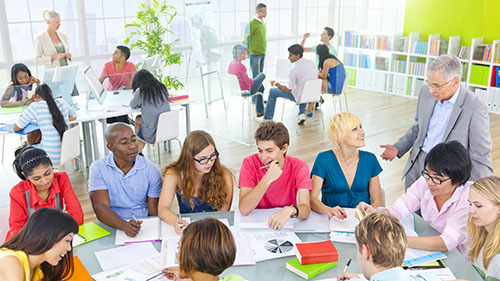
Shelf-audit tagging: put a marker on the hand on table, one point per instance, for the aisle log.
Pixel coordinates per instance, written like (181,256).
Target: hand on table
(390,152)
(179,226)
(366,207)
(132,227)
(278,220)
(338,212)
(347,276)
(172,273)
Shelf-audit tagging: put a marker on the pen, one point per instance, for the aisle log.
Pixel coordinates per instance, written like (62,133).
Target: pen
(265,166)
(135,219)
(163,271)
(346,266)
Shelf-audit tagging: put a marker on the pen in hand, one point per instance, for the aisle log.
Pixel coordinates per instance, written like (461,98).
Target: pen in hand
(137,221)
(346,267)
(265,166)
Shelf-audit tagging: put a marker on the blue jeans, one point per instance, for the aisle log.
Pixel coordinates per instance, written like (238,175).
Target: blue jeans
(257,66)
(257,87)
(275,93)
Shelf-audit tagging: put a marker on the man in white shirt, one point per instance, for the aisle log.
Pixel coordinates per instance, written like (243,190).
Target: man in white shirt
(302,71)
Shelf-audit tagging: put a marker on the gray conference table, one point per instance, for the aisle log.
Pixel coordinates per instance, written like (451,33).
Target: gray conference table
(275,269)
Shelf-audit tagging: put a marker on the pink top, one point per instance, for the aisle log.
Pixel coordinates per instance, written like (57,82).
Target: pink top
(238,69)
(450,221)
(118,78)
(283,191)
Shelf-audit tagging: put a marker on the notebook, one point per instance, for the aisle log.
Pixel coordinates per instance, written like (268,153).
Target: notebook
(310,270)
(346,225)
(88,232)
(152,229)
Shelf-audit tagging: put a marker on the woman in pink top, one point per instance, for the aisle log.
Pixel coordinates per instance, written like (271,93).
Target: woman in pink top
(441,194)
(253,87)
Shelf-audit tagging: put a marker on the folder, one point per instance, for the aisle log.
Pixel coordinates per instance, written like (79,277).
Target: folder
(91,231)
(80,273)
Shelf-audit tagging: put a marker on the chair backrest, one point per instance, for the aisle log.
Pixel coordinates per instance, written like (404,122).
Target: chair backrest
(70,145)
(311,91)
(283,68)
(4,226)
(168,126)
(233,85)
(337,78)
(346,80)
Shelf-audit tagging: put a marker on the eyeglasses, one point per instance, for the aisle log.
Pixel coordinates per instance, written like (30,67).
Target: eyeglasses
(205,160)
(435,180)
(436,87)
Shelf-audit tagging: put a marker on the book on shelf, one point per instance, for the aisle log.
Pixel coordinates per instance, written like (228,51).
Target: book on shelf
(482,53)
(308,271)
(399,66)
(382,63)
(316,252)
(365,61)
(495,76)
(401,44)
(438,47)
(419,47)
(350,59)
(483,96)
(479,74)
(496,56)
(464,53)
(383,43)
(367,42)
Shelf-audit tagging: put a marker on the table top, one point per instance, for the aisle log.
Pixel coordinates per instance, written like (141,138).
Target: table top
(275,269)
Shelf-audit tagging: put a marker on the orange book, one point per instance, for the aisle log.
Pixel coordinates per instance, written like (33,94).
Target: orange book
(80,273)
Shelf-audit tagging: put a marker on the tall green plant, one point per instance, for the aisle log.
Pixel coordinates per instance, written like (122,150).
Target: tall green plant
(152,34)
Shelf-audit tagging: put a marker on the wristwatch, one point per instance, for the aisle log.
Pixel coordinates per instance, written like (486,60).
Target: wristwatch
(296,211)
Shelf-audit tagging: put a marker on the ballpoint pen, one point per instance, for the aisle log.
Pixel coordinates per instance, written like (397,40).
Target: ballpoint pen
(265,166)
(346,266)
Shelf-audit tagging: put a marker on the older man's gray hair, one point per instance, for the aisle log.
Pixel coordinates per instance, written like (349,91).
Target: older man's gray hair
(449,65)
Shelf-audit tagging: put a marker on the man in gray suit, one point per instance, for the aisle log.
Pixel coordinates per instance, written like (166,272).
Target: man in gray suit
(446,111)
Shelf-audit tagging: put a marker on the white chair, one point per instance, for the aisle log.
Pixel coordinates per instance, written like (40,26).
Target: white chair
(4,226)
(383,197)
(166,130)
(310,93)
(233,85)
(338,96)
(70,149)
(283,68)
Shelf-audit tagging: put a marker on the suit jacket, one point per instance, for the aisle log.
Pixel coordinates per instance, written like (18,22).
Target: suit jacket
(44,48)
(469,124)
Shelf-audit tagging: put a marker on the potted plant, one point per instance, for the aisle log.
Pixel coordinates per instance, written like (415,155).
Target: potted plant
(152,37)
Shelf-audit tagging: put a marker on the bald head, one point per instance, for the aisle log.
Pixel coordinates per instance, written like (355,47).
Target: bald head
(117,131)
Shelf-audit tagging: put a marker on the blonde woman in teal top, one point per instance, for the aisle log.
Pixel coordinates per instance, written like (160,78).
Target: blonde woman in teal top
(345,175)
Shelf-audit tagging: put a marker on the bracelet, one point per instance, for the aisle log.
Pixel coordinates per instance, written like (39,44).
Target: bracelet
(296,211)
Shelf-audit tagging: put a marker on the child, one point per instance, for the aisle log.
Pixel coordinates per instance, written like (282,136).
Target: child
(40,187)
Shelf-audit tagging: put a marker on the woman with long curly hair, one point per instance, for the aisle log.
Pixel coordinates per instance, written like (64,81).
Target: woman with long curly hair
(198,180)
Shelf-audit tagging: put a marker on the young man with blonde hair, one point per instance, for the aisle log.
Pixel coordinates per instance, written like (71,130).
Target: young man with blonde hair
(381,245)
(271,178)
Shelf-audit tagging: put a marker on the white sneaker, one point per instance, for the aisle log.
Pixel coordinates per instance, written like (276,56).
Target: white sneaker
(302,119)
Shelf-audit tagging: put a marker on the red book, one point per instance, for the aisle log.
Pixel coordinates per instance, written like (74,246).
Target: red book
(316,252)
(177,98)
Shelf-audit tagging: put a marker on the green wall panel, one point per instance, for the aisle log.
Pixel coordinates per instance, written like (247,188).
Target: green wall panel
(467,18)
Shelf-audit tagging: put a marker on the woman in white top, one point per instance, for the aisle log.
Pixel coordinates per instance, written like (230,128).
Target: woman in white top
(51,47)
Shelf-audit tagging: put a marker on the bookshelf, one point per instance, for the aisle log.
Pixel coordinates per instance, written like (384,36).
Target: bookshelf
(397,64)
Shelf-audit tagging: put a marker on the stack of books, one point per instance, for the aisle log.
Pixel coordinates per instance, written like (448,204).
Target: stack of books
(419,47)
(383,43)
(463,53)
(313,259)
(438,47)
(482,53)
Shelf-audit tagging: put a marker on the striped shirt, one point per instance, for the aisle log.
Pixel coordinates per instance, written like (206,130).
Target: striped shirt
(38,113)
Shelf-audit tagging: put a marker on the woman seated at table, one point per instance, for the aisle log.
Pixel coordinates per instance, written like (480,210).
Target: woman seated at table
(328,70)
(152,97)
(52,116)
(345,175)
(206,249)
(41,250)
(483,227)
(39,187)
(198,180)
(21,82)
(441,196)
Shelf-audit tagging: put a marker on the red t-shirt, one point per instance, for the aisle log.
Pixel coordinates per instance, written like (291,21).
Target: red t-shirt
(283,191)
(19,210)
(118,78)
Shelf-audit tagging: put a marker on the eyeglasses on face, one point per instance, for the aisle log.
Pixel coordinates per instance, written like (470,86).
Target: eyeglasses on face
(435,180)
(205,160)
(436,86)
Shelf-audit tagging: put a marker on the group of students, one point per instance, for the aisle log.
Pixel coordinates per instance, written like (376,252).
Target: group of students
(303,70)
(125,185)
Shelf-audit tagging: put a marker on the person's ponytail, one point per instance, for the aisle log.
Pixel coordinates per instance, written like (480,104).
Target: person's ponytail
(58,122)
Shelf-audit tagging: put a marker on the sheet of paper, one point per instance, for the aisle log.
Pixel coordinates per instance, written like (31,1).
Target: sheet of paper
(409,224)
(344,237)
(443,274)
(258,219)
(138,271)
(346,225)
(272,244)
(314,223)
(168,253)
(150,231)
(77,240)
(127,255)
(244,250)
(168,232)
(415,257)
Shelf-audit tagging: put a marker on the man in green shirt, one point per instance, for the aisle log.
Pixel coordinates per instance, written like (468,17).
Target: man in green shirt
(255,40)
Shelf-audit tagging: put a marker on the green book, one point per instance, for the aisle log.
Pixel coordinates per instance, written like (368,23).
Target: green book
(91,231)
(11,110)
(308,271)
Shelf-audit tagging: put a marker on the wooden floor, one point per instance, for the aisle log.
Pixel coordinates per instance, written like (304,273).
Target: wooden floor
(385,118)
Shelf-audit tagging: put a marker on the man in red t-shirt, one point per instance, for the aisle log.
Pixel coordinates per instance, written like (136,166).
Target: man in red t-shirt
(271,179)
(119,71)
